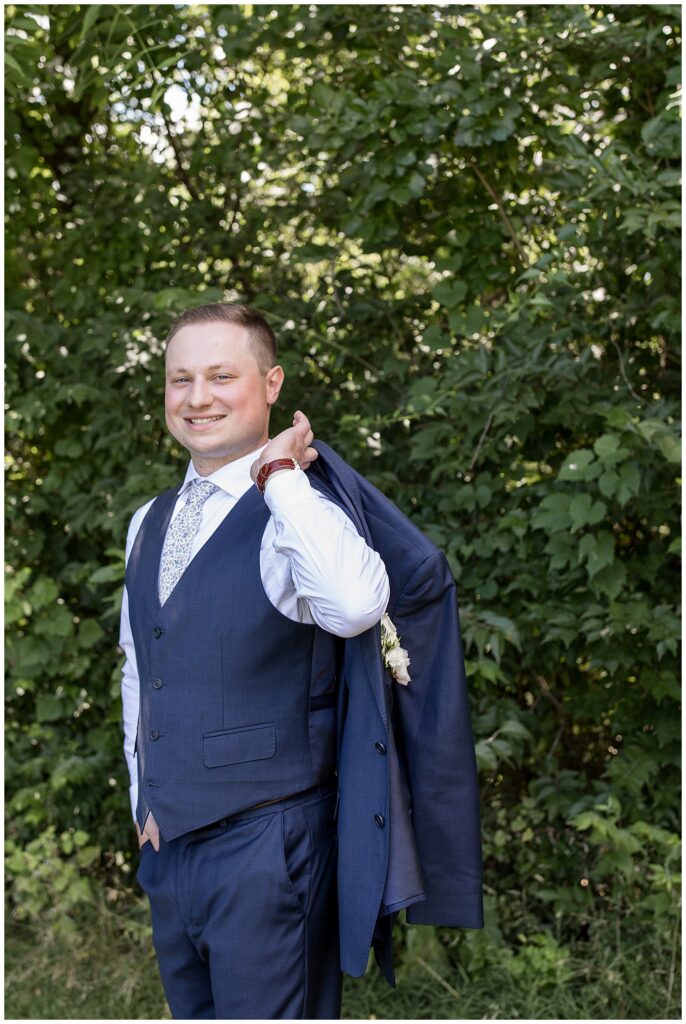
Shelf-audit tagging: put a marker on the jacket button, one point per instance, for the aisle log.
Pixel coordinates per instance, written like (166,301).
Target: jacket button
(157,683)
(154,735)
(381,747)
(379,820)
(157,632)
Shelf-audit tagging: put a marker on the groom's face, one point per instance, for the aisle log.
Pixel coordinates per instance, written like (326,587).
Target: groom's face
(217,402)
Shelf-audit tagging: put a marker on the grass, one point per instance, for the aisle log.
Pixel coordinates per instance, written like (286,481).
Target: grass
(101,966)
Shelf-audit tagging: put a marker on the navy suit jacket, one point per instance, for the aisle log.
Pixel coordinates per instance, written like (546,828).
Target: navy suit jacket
(408,806)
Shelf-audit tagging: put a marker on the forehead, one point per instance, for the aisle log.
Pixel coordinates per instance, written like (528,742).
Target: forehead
(205,344)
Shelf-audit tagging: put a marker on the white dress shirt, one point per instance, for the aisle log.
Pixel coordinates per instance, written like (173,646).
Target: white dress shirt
(315,567)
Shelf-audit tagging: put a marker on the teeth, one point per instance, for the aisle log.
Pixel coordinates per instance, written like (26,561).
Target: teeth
(207,419)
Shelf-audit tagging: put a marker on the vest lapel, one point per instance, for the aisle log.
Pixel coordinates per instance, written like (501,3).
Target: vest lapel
(250,497)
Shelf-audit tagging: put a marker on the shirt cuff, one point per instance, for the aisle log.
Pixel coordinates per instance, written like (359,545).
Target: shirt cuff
(287,489)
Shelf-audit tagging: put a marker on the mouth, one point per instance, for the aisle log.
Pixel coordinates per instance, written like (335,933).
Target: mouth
(203,421)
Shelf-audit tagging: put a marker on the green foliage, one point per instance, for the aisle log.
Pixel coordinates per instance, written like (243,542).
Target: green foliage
(47,877)
(463,223)
(104,969)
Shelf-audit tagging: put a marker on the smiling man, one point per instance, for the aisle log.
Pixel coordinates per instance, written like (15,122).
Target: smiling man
(281,826)
(239,584)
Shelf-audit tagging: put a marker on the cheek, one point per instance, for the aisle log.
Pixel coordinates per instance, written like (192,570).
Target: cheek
(237,398)
(173,401)
(172,413)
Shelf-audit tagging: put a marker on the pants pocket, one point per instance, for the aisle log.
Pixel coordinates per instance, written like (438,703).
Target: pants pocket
(296,848)
(144,855)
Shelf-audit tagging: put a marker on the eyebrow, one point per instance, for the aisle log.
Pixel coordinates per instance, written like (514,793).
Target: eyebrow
(217,366)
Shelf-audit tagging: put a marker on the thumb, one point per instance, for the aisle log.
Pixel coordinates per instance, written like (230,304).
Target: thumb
(301,422)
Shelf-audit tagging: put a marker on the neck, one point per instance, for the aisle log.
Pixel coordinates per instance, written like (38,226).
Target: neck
(205,465)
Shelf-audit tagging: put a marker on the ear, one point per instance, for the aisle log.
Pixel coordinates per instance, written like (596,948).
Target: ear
(273,381)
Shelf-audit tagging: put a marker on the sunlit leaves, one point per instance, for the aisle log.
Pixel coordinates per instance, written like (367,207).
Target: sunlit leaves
(469,253)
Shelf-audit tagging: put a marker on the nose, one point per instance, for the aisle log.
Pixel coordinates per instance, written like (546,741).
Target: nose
(200,394)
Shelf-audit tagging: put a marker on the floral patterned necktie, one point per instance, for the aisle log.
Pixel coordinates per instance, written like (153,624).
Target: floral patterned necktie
(180,536)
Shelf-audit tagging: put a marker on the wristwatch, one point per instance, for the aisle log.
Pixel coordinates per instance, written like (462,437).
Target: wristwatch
(271,467)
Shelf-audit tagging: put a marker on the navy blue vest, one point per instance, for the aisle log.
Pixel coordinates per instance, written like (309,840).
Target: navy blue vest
(236,699)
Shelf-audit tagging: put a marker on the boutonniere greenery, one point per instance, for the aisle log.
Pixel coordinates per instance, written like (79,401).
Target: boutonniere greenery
(395,657)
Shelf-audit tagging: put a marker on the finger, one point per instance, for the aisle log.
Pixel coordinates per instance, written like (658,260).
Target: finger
(301,423)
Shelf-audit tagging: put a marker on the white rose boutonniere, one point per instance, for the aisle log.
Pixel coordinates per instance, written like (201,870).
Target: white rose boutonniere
(395,657)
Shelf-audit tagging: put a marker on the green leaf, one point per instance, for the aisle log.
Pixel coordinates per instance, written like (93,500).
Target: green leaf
(434,338)
(485,756)
(608,449)
(513,727)
(43,592)
(608,483)
(91,16)
(670,448)
(450,293)
(552,514)
(584,821)
(107,574)
(629,482)
(14,65)
(610,579)
(576,464)
(597,550)
(585,512)
(49,708)
(90,632)
(416,183)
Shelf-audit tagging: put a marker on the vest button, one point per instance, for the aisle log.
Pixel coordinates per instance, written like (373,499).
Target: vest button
(157,683)
(381,747)
(379,820)
(154,735)
(157,632)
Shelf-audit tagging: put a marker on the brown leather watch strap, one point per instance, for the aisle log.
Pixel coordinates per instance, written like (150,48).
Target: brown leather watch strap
(271,467)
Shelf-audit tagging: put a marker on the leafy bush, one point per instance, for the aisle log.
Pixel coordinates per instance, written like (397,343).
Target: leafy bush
(463,223)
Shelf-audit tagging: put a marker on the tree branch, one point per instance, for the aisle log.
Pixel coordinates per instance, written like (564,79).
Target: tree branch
(501,210)
(183,173)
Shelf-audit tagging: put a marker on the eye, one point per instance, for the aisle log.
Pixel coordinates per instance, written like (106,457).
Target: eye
(222,376)
(179,380)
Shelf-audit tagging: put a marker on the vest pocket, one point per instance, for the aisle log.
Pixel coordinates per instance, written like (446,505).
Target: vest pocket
(233,746)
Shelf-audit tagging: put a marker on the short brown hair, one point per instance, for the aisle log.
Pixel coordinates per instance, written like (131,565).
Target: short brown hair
(262,338)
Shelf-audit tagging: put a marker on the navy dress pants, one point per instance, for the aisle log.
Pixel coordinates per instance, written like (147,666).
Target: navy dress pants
(244,913)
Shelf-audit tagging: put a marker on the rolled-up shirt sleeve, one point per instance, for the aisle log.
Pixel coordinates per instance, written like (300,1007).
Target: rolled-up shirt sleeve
(315,556)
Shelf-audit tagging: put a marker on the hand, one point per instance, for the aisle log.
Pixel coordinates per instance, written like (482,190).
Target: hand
(150,832)
(293,443)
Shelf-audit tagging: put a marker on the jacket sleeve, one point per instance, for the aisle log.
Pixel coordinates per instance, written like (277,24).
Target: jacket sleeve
(435,742)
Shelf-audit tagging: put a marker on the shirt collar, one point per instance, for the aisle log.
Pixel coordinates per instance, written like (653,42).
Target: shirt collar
(233,478)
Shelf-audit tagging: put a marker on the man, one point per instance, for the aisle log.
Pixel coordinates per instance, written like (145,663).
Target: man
(235,596)
(290,796)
